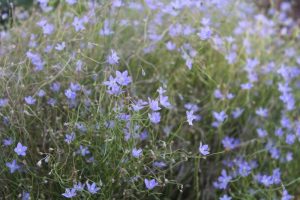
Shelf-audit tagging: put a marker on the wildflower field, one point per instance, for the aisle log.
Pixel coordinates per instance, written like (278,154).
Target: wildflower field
(149,99)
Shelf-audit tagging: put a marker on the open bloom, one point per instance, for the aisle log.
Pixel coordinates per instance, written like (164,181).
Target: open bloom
(20,149)
(150,184)
(203,149)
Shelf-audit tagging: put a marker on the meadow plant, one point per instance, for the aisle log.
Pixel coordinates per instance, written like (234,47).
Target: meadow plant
(150,99)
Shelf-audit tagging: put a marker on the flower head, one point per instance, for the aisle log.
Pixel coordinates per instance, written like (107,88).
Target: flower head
(20,149)
(203,149)
(150,184)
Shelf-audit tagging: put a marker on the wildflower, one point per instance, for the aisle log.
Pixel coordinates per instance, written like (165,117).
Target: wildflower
(36,60)
(261,132)
(70,138)
(3,102)
(159,164)
(60,46)
(20,150)
(190,117)
(55,87)
(48,28)
(153,105)
(41,93)
(30,100)
(137,152)
(71,2)
(113,58)
(93,189)
(25,195)
(237,113)
(150,184)
(106,29)
(290,139)
(225,197)
(286,196)
(7,142)
(70,94)
(263,112)
(13,166)
(79,186)
(164,101)
(223,180)
(78,24)
(122,78)
(246,86)
(83,150)
(205,33)
(230,143)
(75,87)
(203,149)
(69,193)
(221,116)
(140,104)
(154,117)
(170,46)
(113,87)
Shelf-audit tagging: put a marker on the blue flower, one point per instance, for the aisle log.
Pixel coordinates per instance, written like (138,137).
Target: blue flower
(154,117)
(69,193)
(13,166)
(93,189)
(150,184)
(20,149)
(204,149)
(70,138)
(30,100)
(137,152)
(113,58)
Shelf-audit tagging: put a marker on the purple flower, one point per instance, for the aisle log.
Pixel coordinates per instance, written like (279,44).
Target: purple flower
(140,104)
(237,113)
(122,78)
(150,184)
(30,100)
(3,102)
(75,87)
(205,33)
(190,117)
(164,101)
(290,139)
(286,196)
(55,87)
(48,29)
(70,138)
(203,149)
(261,132)
(60,46)
(263,112)
(83,150)
(71,2)
(154,117)
(113,58)
(113,87)
(93,189)
(136,152)
(78,24)
(79,186)
(20,150)
(70,94)
(106,29)
(41,93)
(225,197)
(153,104)
(13,166)
(25,195)
(230,143)
(7,142)
(246,86)
(69,193)
(223,180)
